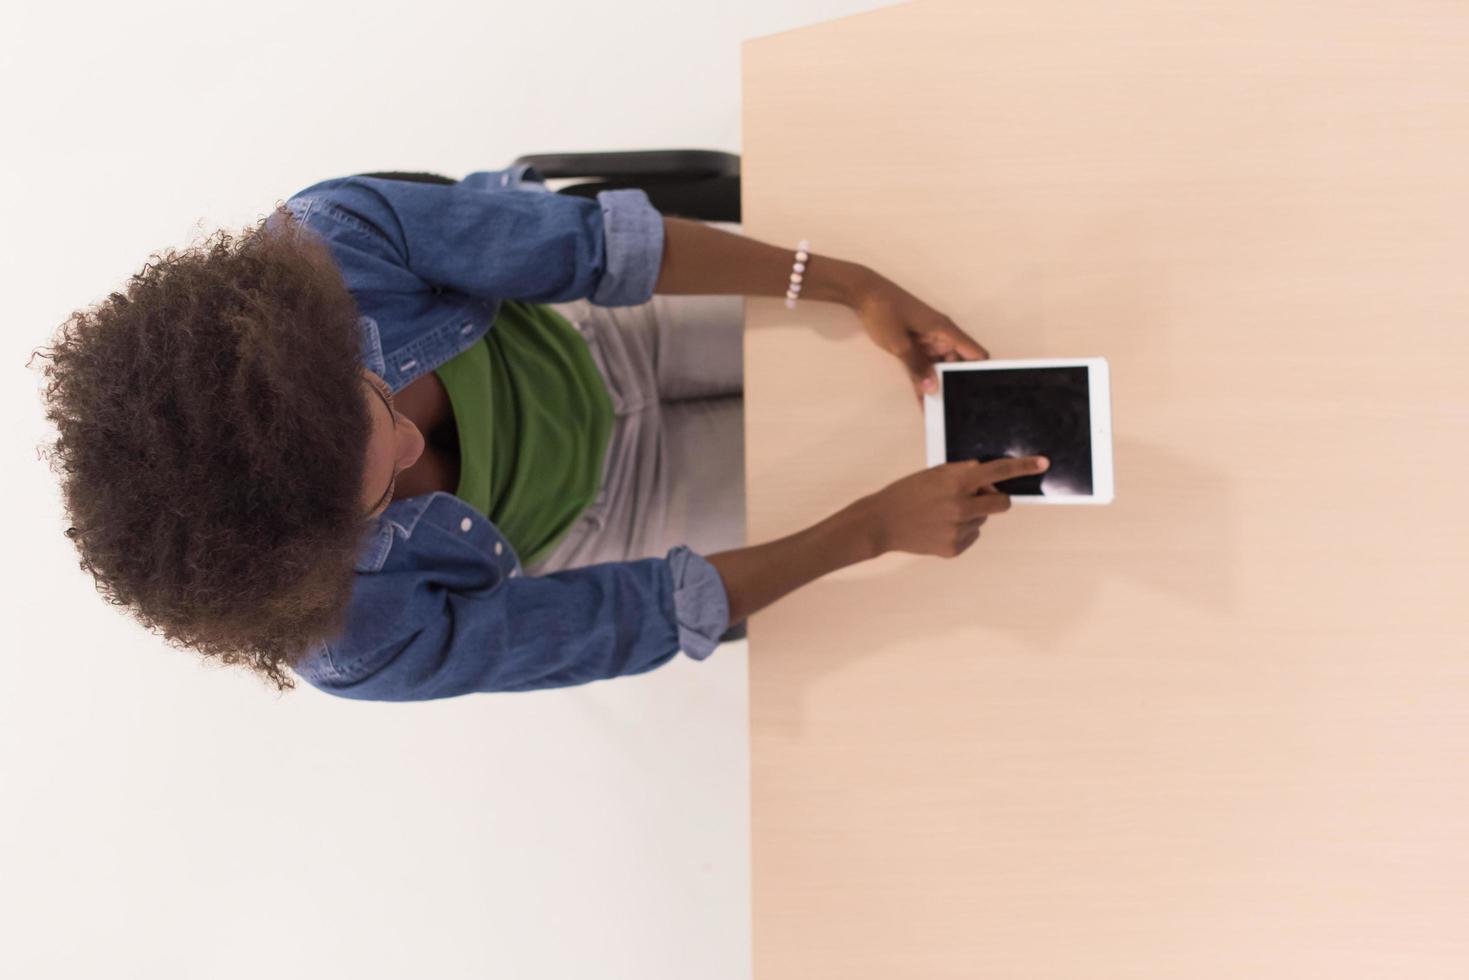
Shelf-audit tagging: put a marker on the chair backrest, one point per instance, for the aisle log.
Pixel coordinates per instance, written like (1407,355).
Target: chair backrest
(678,183)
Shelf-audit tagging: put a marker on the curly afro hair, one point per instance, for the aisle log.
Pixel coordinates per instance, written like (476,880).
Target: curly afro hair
(213,440)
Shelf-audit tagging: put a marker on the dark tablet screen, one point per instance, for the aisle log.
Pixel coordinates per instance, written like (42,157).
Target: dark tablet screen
(1023,412)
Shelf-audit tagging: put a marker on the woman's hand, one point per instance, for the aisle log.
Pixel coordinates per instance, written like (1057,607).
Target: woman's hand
(938,511)
(912,331)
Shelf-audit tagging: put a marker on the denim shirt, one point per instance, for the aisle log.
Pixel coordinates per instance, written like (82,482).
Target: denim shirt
(440,606)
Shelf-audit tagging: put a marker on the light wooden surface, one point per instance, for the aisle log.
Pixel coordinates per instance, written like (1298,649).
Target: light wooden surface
(1220,728)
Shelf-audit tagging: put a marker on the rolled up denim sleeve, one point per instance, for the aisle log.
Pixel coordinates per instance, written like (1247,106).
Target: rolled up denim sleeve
(525,633)
(700,603)
(634,234)
(506,242)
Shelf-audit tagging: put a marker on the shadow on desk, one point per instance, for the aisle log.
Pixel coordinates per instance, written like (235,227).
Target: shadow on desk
(1041,582)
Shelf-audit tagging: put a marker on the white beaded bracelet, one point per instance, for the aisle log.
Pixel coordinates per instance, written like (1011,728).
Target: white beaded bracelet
(793,291)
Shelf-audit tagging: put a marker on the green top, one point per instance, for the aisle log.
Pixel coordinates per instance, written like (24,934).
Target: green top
(534,419)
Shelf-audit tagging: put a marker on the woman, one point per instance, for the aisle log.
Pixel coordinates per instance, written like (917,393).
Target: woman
(411,439)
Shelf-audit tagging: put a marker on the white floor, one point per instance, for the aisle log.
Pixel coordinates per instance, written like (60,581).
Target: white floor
(164,820)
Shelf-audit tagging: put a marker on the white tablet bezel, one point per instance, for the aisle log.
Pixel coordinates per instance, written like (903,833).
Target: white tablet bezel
(1098,384)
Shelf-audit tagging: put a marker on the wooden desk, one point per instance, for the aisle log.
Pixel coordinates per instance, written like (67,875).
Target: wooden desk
(1221,728)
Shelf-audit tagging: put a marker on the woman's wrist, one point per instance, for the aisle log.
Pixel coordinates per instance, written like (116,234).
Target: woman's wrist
(829,280)
(851,281)
(858,531)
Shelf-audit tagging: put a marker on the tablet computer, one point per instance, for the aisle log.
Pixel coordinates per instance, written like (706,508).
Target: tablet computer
(1060,409)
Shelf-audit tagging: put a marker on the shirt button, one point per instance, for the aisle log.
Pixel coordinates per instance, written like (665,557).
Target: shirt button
(466,524)
(499,547)
(514,572)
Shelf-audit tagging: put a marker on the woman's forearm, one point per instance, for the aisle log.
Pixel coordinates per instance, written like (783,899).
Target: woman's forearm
(703,260)
(756,576)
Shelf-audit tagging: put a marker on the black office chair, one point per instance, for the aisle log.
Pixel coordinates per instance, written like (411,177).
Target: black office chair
(703,185)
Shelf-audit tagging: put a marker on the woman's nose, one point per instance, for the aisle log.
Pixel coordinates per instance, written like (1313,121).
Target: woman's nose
(414,446)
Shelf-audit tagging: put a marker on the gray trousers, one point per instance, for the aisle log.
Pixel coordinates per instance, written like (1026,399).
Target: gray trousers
(674,472)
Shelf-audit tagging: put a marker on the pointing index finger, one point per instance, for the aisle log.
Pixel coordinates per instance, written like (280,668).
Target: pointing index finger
(996,470)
